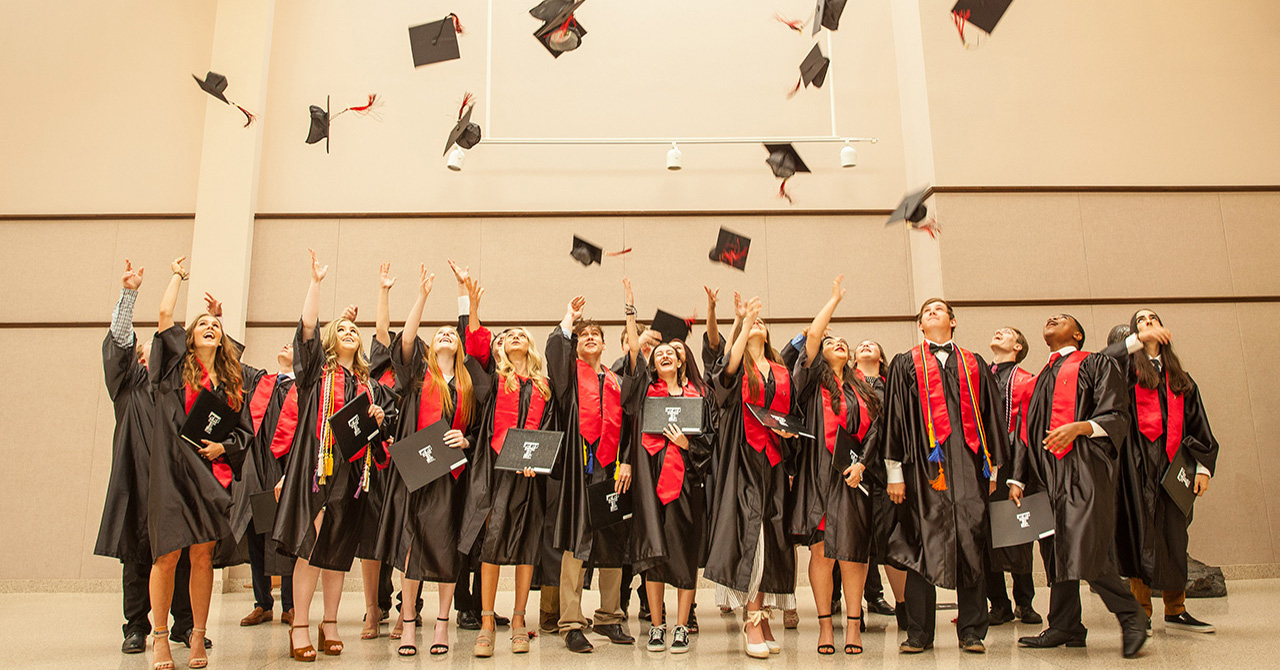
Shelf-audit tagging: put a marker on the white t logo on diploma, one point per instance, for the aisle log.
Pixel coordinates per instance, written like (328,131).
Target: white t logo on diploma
(612,499)
(214,420)
(1182,477)
(673,413)
(1024,519)
(425,452)
(354,422)
(529,448)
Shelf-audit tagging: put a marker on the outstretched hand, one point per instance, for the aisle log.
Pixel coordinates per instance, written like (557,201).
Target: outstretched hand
(460,273)
(350,313)
(132,279)
(318,271)
(739,307)
(176,267)
(211,305)
(713,295)
(425,280)
(474,292)
(385,280)
(837,293)
(627,295)
(574,311)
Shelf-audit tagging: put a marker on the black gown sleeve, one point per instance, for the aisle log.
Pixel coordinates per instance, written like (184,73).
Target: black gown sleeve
(1111,409)
(897,410)
(1197,437)
(121,368)
(308,358)
(167,351)
(562,355)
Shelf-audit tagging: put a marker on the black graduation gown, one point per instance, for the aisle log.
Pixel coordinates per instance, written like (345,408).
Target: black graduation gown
(122,533)
(709,485)
(334,547)
(186,504)
(504,510)
(1082,485)
(941,535)
(883,511)
(233,549)
(818,491)
(419,531)
(381,369)
(750,499)
(260,472)
(1018,559)
(669,540)
(607,548)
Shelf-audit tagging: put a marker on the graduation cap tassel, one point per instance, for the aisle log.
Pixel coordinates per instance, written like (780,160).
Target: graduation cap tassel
(248,116)
(365,108)
(782,191)
(692,320)
(794,24)
(468,99)
(618,253)
(931,227)
(961,17)
(796,89)
(457,23)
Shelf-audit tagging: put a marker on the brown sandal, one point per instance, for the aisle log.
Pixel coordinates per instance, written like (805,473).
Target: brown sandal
(330,647)
(398,629)
(305,654)
(203,661)
(372,629)
(519,635)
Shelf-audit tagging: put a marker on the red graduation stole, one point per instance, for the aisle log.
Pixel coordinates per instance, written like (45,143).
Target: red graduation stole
(261,398)
(287,425)
(506,412)
(1150,420)
(431,408)
(1021,385)
(759,437)
(1065,385)
(221,469)
(600,418)
(388,377)
(933,404)
(671,478)
(479,344)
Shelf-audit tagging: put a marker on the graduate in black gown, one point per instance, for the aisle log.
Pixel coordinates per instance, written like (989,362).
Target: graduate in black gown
(750,551)
(1075,424)
(188,504)
(322,494)
(944,438)
(871,366)
(1008,349)
(830,510)
(1151,532)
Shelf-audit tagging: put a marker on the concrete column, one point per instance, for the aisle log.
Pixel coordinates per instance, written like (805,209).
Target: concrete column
(227,195)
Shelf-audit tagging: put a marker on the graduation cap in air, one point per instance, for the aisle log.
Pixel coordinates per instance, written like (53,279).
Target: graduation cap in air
(671,326)
(214,84)
(813,70)
(560,31)
(465,133)
(827,15)
(983,14)
(436,41)
(321,119)
(587,253)
(731,249)
(913,210)
(785,162)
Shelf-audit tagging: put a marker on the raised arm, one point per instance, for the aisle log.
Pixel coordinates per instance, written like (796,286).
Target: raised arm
(633,340)
(740,343)
(713,329)
(410,333)
(311,305)
(122,315)
(170,298)
(474,293)
(382,319)
(813,339)
(739,313)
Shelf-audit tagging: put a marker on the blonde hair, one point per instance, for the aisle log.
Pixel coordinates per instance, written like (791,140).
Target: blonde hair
(460,376)
(507,370)
(329,340)
(226,364)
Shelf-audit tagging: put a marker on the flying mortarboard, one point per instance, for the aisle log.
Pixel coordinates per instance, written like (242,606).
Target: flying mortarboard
(982,14)
(320,118)
(827,15)
(913,210)
(813,70)
(214,84)
(785,162)
(465,133)
(587,253)
(671,326)
(561,32)
(436,41)
(731,249)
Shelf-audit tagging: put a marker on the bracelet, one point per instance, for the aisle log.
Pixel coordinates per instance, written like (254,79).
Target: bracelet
(630,309)
(181,276)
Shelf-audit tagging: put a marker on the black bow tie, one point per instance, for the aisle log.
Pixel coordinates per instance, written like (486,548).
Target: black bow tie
(935,348)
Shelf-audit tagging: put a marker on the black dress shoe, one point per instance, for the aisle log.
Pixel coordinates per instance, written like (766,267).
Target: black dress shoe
(577,642)
(973,645)
(880,606)
(469,620)
(134,643)
(1027,615)
(185,638)
(1134,635)
(1052,637)
(1187,622)
(910,646)
(614,632)
(999,617)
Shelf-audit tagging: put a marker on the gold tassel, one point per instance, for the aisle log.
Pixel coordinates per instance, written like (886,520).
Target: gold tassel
(939,483)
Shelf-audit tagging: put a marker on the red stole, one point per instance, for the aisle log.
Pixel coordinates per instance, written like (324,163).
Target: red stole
(221,469)
(671,478)
(1065,385)
(933,401)
(1021,385)
(287,424)
(431,408)
(600,418)
(261,398)
(388,377)
(831,423)
(479,345)
(759,437)
(1150,420)
(506,411)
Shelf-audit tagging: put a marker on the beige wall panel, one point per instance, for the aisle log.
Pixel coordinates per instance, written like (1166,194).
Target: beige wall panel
(1005,246)
(808,252)
(1102,92)
(103,114)
(263,344)
(1258,324)
(55,464)
(1126,234)
(281,269)
(153,245)
(72,262)
(1253,241)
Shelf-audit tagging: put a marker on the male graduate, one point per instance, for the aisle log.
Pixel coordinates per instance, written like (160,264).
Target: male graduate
(1076,422)
(944,439)
(1008,349)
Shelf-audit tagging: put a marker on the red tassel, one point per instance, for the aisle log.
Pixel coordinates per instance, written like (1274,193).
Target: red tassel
(248,116)
(939,483)
(457,23)
(467,100)
(692,320)
(931,227)
(782,191)
(794,91)
(795,25)
(618,253)
(367,107)
(960,18)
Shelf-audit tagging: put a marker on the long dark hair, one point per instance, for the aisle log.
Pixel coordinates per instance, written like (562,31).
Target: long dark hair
(754,382)
(827,377)
(693,376)
(1179,381)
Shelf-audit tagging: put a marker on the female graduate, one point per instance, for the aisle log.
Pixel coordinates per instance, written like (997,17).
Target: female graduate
(750,552)
(504,509)
(827,510)
(419,530)
(322,494)
(188,503)
(1167,415)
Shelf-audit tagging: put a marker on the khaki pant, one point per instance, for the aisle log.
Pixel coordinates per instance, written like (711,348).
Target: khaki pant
(608,583)
(1174,601)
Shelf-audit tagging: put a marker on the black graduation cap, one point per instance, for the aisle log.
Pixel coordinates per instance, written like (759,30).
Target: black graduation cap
(912,208)
(671,326)
(465,133)
(319,125)
(731,249)
(561,32)
(784,160)
(213,84)
(436,41)
(813,69)
(827,15)
(984,14)
(585,252)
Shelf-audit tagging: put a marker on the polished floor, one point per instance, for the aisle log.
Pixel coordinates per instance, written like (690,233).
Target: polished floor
(48,630)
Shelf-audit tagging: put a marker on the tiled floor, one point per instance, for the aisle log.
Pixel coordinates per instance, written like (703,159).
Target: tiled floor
(83,631)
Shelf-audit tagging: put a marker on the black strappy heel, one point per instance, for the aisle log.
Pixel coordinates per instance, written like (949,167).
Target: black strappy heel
(439,649)
(826,649)
(409,643)
(854,649)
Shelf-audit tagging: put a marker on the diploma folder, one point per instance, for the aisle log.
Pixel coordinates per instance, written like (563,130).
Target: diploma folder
(1179,480)
(1012,525)
(353,427)
(660,412)
(788,423)
(209,419)
(424,457)
(606,508)
(263,505)
(533,449)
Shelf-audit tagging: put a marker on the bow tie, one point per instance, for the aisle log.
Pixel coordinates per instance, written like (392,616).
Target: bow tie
(935,348)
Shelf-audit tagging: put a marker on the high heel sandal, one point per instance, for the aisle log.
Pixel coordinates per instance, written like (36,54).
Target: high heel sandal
(825,649)
(409,643)
(305,654)
(519,634)
(202,662)
(158,635)
(372,629)
(398,629)
(775,647)
(854,649)
(484,641)
(754,650)
(330,647)
(441,649)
